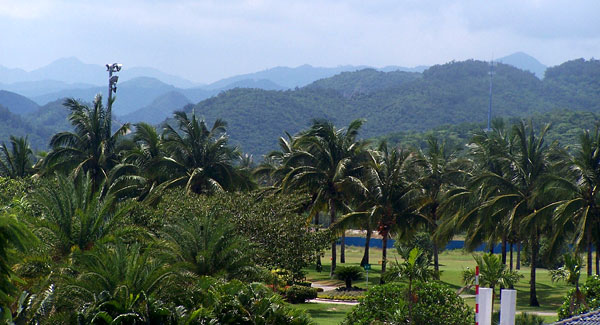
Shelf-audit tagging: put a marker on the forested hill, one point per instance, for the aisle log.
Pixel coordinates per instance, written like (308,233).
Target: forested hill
(452,93)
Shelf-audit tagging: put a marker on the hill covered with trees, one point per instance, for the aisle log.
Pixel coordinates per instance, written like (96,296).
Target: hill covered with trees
(448,94)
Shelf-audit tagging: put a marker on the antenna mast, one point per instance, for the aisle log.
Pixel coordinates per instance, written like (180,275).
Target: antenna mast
(489,121)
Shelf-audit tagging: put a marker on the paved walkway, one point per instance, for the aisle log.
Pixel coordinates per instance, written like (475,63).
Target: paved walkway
(334,302)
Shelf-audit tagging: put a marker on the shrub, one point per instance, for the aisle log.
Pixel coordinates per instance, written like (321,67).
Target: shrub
(591,294)
(433,303)
(349,274)
(297,294)
(528,319)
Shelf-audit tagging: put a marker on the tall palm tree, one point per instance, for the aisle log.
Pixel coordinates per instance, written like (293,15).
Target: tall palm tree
(579,212)
(439,171)
(17,161)
(200,157)
(91,148)
(522,194)
(326,164)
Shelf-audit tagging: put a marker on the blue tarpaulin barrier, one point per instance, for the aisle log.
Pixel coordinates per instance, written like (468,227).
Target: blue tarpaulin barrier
(378,243)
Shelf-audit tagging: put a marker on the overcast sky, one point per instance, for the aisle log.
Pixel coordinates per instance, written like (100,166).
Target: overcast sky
(208,40)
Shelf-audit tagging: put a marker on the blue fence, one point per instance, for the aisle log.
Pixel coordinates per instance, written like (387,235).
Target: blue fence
(378,243)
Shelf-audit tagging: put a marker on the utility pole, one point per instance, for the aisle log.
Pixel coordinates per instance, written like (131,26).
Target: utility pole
(112,80)
(489,121)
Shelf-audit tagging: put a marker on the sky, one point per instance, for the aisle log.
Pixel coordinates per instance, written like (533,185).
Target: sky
(204,41)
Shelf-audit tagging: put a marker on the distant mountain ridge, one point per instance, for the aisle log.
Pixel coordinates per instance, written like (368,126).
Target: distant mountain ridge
(525,62)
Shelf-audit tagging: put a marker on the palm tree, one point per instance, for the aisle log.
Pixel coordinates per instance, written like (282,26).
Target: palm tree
(439,171)
(200,157)
(570,273)
(13,234)
(75,217)
(579,212)
(91,148)
(19,160)
(117,283)
(523,193)
(206,247)
(493,273)
(325,163)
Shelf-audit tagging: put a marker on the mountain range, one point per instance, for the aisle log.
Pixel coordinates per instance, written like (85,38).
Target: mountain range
(264,102)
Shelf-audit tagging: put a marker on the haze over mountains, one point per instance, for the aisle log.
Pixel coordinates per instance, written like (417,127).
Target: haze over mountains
(260,107)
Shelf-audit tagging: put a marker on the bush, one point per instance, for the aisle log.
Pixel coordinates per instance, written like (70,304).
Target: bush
(433,303)
(349,274)
(528,319)
(591,294)
(298,294)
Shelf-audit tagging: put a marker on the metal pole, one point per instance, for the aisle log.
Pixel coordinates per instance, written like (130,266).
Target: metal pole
(477,295)
(110,72)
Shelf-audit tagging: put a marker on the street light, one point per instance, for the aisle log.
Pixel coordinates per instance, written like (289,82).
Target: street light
(112,80)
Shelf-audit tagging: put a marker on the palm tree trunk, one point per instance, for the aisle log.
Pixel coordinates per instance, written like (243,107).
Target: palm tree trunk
(383,256)
(343,248)
(504,250)
(319,266)
(365,259)
(436,261)
(589,251)
(534,244)
(333,244)
(597,258)
(518,255)
(511,256)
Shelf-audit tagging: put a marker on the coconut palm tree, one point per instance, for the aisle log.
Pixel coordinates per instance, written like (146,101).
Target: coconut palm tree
(523,193)
(91,148)
(579,212)
(18,160)
(326,163)
(439,170)
(200,158)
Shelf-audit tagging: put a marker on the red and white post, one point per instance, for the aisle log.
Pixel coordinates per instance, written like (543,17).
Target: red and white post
(477,295)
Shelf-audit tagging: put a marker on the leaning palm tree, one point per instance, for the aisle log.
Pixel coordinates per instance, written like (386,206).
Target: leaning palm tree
(200,158)
(91,148)
(18,160)
(325,164)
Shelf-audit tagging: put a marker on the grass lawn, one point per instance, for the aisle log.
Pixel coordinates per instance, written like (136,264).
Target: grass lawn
(327,314)
(452,263)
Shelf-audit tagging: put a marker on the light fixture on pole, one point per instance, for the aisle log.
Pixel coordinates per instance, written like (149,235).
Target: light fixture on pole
(112,80)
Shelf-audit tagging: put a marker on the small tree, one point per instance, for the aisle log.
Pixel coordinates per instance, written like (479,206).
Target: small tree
(349,274)
(570,273)
(492,273)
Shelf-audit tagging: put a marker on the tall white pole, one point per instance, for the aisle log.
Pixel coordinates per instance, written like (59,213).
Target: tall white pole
(508,306)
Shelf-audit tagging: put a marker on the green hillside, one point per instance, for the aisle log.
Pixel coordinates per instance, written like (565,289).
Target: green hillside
(452,93)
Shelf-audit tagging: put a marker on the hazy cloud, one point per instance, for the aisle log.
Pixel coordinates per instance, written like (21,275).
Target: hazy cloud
(207,40)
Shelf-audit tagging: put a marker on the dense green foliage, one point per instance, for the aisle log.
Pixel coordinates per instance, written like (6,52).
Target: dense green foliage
(453,93)
(298,294)
(591,299)
(349,274)
(389,303)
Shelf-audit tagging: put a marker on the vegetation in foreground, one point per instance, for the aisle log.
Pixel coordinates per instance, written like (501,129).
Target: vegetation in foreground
(113,228)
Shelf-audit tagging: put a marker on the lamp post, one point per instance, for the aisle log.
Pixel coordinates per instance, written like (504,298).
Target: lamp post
(112,80)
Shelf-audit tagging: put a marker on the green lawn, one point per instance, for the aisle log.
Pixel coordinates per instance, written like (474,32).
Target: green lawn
(326,314)
(452,263)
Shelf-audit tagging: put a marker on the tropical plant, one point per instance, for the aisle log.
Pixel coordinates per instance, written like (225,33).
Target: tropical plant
(492,273)
(75,217)
(13,235)
(388,304)
(17,161)
(439,169)
(326,164)
(208,245)
(570,272)
(200,157)
(91,148)
(590,290)
(349,274)
(416,267)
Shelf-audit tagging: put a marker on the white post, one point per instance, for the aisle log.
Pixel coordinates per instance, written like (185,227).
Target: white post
(508,306)
(485,306)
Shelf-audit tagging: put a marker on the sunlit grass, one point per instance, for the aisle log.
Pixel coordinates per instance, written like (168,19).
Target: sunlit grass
(452,263)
